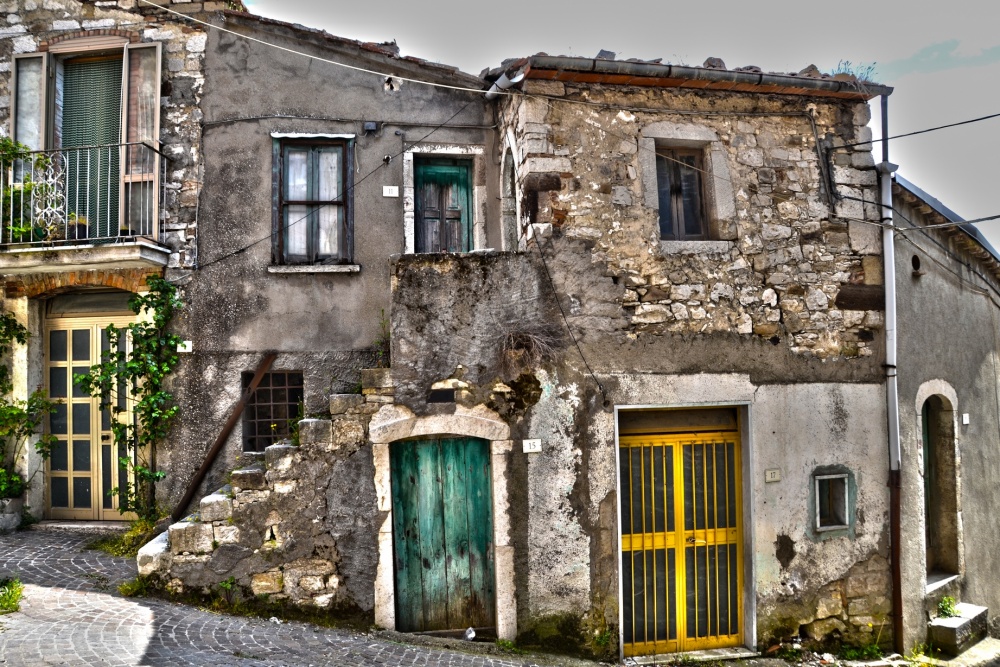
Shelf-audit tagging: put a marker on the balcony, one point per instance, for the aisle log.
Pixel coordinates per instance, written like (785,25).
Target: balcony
(85,208)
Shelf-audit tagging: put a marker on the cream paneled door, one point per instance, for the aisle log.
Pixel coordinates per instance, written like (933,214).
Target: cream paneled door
(84,466)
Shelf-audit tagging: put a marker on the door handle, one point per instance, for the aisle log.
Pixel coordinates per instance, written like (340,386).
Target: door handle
(105,437)
(691,540)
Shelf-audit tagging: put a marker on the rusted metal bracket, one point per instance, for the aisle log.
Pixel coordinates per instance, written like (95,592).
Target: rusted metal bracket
(199,477)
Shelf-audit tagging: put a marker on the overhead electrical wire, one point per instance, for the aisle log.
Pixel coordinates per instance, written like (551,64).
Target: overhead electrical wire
(348,192)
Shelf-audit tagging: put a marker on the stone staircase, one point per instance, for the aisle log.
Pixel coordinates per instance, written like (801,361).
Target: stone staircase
(299,524)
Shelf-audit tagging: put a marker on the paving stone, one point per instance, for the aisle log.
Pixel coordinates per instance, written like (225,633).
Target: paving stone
(72,614)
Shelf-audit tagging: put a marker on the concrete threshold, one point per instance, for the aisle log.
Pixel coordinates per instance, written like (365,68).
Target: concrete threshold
(709,655)
(986,652)
(82,526)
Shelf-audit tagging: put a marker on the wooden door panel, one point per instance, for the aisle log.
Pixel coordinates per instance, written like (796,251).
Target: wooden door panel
(442,534)
(443,206)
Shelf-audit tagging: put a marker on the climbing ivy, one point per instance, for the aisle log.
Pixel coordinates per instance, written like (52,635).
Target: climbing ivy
(20,421)
(140,358)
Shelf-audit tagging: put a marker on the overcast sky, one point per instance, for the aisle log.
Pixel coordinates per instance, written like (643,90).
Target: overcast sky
(942,58)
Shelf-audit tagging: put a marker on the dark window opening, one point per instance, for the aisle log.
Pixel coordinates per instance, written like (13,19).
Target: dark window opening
(679,186)
(441,396)
(831,502)
(272,411)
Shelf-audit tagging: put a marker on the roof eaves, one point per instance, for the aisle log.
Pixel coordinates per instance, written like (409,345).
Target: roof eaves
(598,70)
(947,213)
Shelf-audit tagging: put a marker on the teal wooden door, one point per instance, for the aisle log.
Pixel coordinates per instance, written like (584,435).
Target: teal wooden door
(442,523)
(443,206)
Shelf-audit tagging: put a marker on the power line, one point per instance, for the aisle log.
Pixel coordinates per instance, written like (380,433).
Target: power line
(929,129)
(312,57)
(349,192)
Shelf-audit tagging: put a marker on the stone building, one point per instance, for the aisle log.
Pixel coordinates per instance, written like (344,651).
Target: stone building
(636,313)
(270,186)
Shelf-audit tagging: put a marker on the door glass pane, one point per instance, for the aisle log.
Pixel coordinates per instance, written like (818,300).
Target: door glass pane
(663,171)
(59,487)
(81,492)
(58,419)
(81,455)
(691,184)
(143,102)
(81,344)
(30,102)
(78,391)
(81,418)
(57,382)
(106,483)
(59,460)
(57,346)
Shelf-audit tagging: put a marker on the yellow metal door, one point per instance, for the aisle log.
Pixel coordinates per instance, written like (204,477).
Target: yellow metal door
(84,465)
(681,518)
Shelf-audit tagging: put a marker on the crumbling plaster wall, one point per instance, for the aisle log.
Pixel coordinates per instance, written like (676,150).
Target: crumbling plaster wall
(783,249)
(447,320)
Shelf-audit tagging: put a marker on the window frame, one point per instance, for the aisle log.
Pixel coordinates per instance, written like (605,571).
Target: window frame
(250,418)
(673,157)
(844,479)
(315,143)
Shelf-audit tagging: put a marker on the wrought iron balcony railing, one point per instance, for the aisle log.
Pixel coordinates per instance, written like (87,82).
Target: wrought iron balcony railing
(83,195)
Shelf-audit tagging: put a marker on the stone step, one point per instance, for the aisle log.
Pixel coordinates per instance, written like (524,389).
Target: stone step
(955,635)
(249,478)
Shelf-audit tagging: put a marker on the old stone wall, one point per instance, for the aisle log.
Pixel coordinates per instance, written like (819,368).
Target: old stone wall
(298,526)
(801,415)
(782,206)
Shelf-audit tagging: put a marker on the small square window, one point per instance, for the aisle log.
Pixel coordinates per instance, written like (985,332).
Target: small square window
(269,414)
(679,189)
(314,198)
(831,502)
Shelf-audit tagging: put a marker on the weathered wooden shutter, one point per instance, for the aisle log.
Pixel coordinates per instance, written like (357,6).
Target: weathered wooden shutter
(140,131)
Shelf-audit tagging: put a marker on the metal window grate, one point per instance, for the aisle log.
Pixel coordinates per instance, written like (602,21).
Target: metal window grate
(272,410)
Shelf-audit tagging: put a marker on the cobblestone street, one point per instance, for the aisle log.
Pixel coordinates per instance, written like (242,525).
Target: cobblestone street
(72,614)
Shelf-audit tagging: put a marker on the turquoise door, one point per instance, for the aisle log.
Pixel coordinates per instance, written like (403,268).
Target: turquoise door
(442,522)
(443,206)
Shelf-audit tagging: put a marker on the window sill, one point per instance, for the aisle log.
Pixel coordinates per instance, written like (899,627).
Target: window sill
(695,247)
(936,580)
(310,268)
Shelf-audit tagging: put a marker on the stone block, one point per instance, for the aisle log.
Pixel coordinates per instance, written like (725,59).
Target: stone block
(954,635)
(376,378)
(346,433)
(275,453)
(190,537)
(154,556)
(227,534)
(249,478)
(266,583)
(314,431)
(343,403)
(216,507)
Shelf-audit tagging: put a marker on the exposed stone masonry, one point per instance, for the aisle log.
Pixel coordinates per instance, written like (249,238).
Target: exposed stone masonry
(782,246)
(293,525)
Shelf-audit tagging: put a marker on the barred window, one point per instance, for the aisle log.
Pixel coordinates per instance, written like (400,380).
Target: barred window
(272,410)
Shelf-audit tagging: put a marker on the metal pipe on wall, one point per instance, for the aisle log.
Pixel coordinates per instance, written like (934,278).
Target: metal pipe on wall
(885,170)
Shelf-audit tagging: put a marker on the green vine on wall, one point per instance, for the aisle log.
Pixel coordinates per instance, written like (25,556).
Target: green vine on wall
(20,421)
(140,358)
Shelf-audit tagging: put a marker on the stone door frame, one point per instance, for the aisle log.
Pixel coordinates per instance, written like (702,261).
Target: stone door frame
(393,423)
